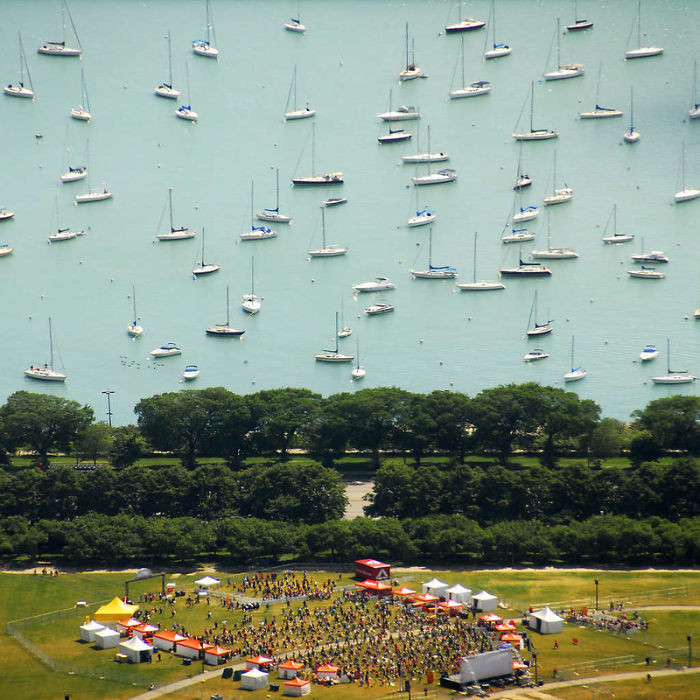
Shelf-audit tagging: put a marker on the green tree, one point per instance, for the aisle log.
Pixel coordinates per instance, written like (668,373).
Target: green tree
(127,446)
(673,422)
(95,441)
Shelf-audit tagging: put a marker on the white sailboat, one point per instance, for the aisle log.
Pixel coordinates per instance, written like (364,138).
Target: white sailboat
(185,111)
(411,71)
(20,89)
(553,253)
(600,112)
(534,134)
(425,156)
(46,373)
(82,111)
(563,70)
(274,214)
(631,136)
(439,177)
(694,112)
(166,89)
(250,302)
(5,214)
(204,47)
(615,237)
(685,193)
(480,285)
(345,330)
(333,178)
(327,250)
(654,256)
(59,234)
(394,135)
(92,195)
(464,24)
(296,112)
(180,233)
(576,373)
(434,272)
(5,249)
(522,179)
(497,50)
(579,23)
(224,330)
(358,371)
(516,235)
(674,376)
(256,233)
(295,24)
(526,268)
(403,113)
(642,51)
(334,355)
(646,272)
(423,216)
(204,268)
(559,194)
(72,174)
(522,214)
(134,329)
(59,48)
(537,328)
(478,87)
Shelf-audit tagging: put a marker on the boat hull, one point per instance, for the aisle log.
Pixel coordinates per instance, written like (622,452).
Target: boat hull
(395,138)
(297,27)
(600,114)
(469,91)
(134,330)
(18,91)
(224,331)
(205,269)
(187,114)
(92,197)
(686,194)
(575,375)
(327,252)
(5,250)
(177,235)
(465,25)
(421,220)
(327,179)
(58,50)
(74,175)
(434,178)
(299,114)
(81,114)
(333,357)
(257,235)
(518,238)
(536,135)
(564,72)
(622,238)
(631,136)
(399,116)
(273,217)
(579,25)
(498,52)
(527,215)
(525,271)
(377,309)
(46,374)
(484,286)
(674,379)
(167,92)
(644,52)
(646,274)
(425,158)
(204,49)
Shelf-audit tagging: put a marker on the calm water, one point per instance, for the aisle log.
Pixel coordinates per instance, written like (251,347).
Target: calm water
(346,63)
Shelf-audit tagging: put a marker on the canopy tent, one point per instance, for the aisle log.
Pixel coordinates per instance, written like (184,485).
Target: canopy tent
(166,640)
(505,626)
(435,587)
(459,593)
(136,650)
(145,630)
(107,638)
(289,669)
(216,655)
(127,627)
(297,687)
(327,672)
(450,607)
(189,648)
(403,592)
(89,629)
(511,637)
(207,582)
(254,679)
(377,587)
(116,609)
(490,617)
(484,601)
(258,661)
(545,621)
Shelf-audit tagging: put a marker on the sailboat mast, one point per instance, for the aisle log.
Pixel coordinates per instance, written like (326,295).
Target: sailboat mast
(532,102)
(462,38)
(313,148)
(323,226)
(430,248)
(170,61)
(170,200)
(639,23)
(70,17)
(133,299)
(406,44)
(252,223)
(208,24)
(277,189)
(202,246)
(558,44)
(227,313)
(252,276)
(336,332)
(50,345)
(631,109)
(474,256)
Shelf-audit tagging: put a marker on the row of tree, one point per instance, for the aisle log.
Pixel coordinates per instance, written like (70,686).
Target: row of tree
(123,539)
(218,423)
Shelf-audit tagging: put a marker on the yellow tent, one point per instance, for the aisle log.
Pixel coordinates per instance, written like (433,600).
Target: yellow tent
(115,610)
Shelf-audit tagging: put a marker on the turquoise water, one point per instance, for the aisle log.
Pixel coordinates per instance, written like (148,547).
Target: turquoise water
(347,63)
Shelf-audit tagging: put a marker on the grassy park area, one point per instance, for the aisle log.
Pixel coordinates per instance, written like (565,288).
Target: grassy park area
(95,675)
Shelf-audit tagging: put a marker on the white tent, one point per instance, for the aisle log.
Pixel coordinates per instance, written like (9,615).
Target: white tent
(89,629)
(207,581)
(545,621)
(136,650)
(297,687)
(435,587)
(254,679)
(484,602)
(459,593)
(107,638)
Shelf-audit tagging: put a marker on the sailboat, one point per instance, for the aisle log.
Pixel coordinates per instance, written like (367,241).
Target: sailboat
(20,89)
(134,329)
(685,193)
(655,256)
(403,113)
(600,112)
(553,253)
(203,268)
(526,269)
(358,371)
(175,234)
(326,250)
(92,195)
(465,24)
(422,217)
(434,272)
(481,285)
(642,51)
(560,194)
(479,87)
(563,70)
(411,71)
(534,134)
(294,24)
(59,48)
(425,157)
(615,237)
(203,47)
(5,249)
(313,179)
(444,175)
(62,234)
(82,111)
(345,330)
(576,373)
(72,174)
(516,235)
(522,179)
(674,376)
(274,214)
(631,136)
(224,329)
(694,112)
(250,302)
(256,233)
(646,272)
(185,111)
(296,112)
(334,355)
(166,89)
(497,50)
(46,373)
(394,135)
(527,213)
(578,24)
(537,328)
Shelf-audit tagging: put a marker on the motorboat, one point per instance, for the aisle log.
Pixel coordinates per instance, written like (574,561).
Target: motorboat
(6,214)
(535,354)
(190,372)
(400,114)
(379,308)
(46,372)
(649,352)
(649,273)
(379,284)
(180,233)
(563,70)
(224,330)
(166,350)
(334,355)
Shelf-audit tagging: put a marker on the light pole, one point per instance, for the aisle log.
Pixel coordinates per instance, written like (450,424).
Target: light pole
(690,650)
(109,393)
(596,594)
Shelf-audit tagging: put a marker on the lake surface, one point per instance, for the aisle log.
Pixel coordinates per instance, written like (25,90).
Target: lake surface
(347,64)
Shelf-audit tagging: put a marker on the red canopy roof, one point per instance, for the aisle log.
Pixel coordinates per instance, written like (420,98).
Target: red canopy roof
(169,636)
(491,617)
(426,598)
(190,643)
(146,627)
(259,660)
(217,651)
(371,562)
(291,665)
(327,668)
(131,622)
(377,586)
(505,627)
(402,591)
(297,682)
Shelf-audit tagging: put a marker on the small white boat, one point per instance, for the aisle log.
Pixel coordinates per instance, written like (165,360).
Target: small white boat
(631,136)
(559,194)
(5,249)
(553,253)
(175,234)
(534,134)
(295,25)
(358,371)
(615,237)
(19,89)
(535,354)
(422,217)
(59,48)
(327,250)
(204,47)
(256,233)
(579,24)
(427,156)
(379,284)
(395,136)
(522,181)
(537,328)
(674,376)
(64,234)
(6,214)
(563,70)
(649,273)
(478,87)
(434,272)
(526,214)
(334,201)
(655,256)
(250,302)
(411,71)
(334,355)
(203,268)
(479,285)
(517,235)
(379,308)
(600,112)
(166,350)
(92,195)
(166,89)
(191,372)
(292,110)
(576,373)
(441,176)
(46,373)
(82,111)
(224,330)
(274,214)
(335,178)
(642,51)
(685,193)
(74,174)
(134,329)
(464,24)
(649,352)
(497,49)
(345,330)
(185,111)
(400,114)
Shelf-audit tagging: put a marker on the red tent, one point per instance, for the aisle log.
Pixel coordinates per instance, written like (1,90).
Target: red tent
(490,617)
(375,587)
(403,592)
(505,626)
(451,607)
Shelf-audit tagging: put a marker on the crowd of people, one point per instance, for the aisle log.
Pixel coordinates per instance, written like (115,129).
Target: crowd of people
(286,584)
(608,623)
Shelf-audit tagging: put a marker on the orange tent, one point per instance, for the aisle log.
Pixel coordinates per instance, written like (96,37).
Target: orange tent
(451,607)
(403,592)
(375,586)
(511,637)
(490,617)
(506,627)
(426,598)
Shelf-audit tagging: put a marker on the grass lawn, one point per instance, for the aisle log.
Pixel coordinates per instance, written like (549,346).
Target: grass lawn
(679,687)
